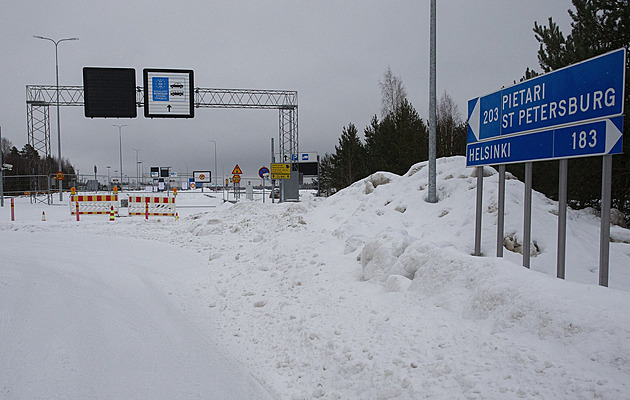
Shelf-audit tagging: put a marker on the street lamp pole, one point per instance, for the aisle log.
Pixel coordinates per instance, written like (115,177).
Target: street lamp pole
(215,163)
(120,143)
(137,169)
(141,169)
(56,42)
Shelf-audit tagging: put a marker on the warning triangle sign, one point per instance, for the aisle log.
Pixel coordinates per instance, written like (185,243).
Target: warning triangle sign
(237,170)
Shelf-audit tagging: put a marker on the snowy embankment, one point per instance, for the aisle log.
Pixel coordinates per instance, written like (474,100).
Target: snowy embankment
(371,294)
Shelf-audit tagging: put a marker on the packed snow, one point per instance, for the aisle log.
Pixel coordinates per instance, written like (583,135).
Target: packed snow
(371,293)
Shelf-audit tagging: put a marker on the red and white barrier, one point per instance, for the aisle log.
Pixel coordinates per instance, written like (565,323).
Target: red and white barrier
(94,203)
(152,205)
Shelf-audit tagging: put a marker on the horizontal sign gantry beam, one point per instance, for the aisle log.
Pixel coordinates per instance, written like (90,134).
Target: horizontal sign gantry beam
(204,97)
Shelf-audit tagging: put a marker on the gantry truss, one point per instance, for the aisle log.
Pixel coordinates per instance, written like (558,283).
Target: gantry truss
(39,98)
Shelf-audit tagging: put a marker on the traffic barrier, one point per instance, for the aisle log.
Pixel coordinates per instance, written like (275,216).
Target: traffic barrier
(152,205)
(94,203)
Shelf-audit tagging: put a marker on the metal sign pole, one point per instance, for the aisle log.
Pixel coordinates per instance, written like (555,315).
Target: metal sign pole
(273,181)
(1,172)
(604,237)
(501,211)
(432,198)
(527,220)
(479,209)
(562,217)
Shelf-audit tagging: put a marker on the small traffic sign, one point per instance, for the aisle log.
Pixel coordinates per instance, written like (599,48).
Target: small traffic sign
(263,172)
(236,178)
(202,176)
(280,171)
(237,170)
(59,176)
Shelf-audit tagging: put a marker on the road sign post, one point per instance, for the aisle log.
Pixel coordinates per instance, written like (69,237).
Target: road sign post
(576,111)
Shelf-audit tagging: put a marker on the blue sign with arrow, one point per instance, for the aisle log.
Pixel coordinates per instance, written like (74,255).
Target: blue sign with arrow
(589,139)
(592,90)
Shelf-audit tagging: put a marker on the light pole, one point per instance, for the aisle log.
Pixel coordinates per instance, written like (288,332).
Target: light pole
(215,162)
(137,169)
(56,42)
(120,142)
(109,182)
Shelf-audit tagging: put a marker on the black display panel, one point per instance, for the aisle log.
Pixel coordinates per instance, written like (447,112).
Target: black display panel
(109,92)
(308,168)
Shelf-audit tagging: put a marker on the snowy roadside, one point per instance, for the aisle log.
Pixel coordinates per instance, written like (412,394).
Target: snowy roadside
(373,294)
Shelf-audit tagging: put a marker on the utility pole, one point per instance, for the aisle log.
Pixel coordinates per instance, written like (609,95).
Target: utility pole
(432,111)
(1,172)
(120,145)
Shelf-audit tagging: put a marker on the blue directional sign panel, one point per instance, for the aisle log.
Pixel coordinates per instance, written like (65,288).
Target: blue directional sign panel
(168,93)
(160,88)
(588,139)
(592,90)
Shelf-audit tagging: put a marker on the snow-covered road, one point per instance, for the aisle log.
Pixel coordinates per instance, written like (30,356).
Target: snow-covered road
(90,318)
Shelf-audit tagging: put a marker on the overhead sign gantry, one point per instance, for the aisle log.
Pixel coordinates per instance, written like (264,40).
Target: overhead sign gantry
(154,98)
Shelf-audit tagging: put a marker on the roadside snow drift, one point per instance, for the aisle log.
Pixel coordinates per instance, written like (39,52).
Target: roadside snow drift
(369,294)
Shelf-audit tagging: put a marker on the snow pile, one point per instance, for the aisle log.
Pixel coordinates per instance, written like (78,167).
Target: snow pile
(371,293)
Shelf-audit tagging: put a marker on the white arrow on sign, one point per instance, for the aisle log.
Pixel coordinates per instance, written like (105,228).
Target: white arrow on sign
(474,119)
(613,134)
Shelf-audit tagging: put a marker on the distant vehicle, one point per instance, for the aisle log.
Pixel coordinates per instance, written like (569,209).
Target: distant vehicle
(177,85)
(177,93)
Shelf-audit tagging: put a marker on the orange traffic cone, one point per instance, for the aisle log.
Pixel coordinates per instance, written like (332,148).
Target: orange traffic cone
(43,216)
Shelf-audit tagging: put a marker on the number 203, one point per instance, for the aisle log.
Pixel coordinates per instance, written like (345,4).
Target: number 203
(491,115)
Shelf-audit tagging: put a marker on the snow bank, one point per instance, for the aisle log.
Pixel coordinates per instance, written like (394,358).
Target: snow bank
(372,293)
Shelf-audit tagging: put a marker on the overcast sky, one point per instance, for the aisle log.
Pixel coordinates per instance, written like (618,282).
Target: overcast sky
(333,53)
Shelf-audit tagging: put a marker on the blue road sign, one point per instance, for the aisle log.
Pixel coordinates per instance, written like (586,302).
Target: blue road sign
(160,88)
(588,139)
(263,172)
(572,112)
(592,89)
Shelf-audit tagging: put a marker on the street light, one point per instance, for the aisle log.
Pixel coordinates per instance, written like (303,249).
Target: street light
(120,142)
(109,182)
(56,42)
(215,162)
(137,173)
(141,171)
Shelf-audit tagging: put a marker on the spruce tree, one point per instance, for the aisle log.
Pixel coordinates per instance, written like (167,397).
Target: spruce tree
(598,26)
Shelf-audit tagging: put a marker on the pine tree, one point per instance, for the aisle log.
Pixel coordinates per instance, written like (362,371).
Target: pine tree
(348,162)
(598,26)
(398,141)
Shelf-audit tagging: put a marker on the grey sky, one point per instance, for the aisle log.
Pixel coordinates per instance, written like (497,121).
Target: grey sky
(332,52)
